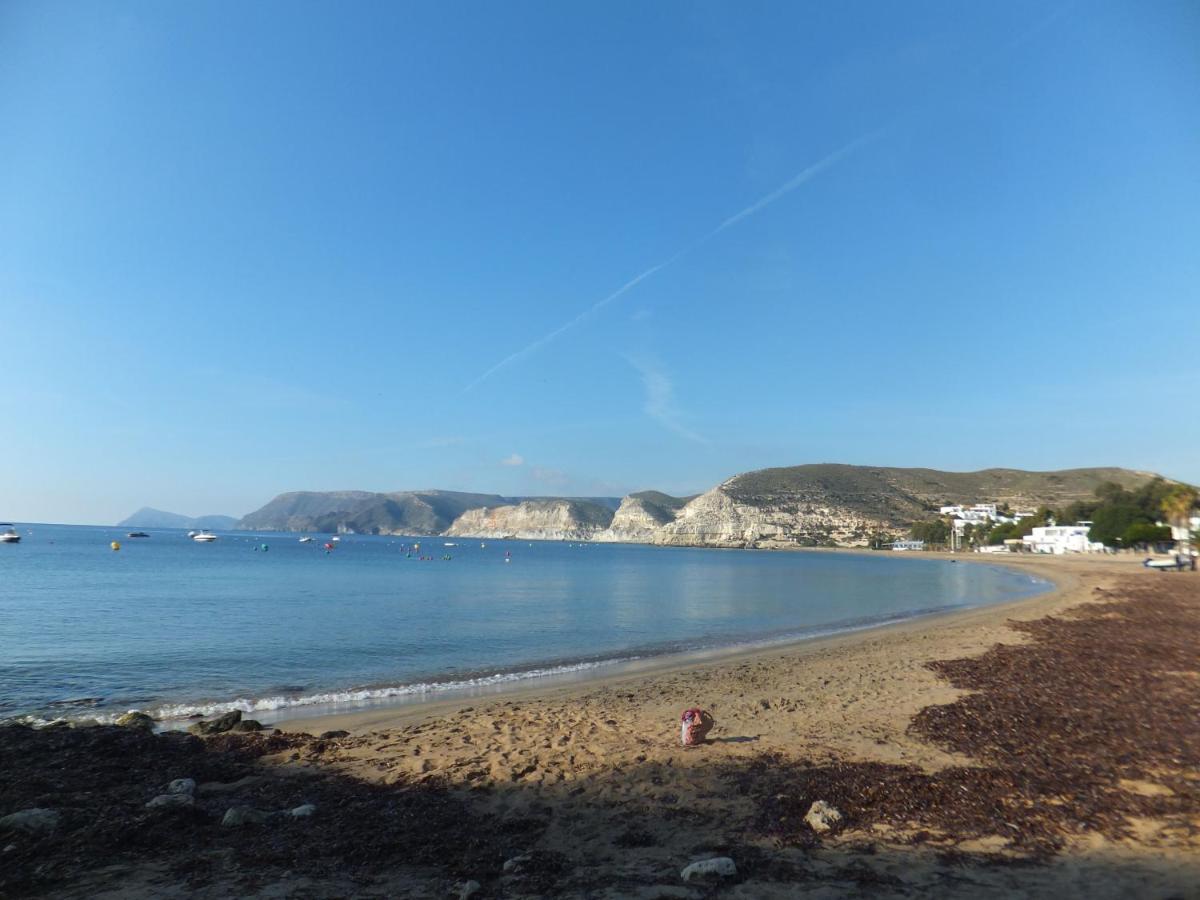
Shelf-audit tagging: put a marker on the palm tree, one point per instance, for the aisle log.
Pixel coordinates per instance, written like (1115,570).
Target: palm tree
(1177,507)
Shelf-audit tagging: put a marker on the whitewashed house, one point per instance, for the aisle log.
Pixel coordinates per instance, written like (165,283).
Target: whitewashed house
(980,512)
(1059,539)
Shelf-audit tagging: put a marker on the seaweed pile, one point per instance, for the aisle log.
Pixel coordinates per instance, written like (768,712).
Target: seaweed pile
(1094,721)
(100,778)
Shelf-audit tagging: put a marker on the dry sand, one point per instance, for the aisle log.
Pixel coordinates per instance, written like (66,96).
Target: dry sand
(607,753)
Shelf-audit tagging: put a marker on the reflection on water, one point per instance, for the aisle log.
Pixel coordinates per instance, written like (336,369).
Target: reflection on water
(167,621)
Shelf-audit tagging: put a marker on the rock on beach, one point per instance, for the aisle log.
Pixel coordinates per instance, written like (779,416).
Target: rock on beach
(721,866)
(822,816)
(33,821)
(135,719)
(219,725)
(170,801)
(236,816)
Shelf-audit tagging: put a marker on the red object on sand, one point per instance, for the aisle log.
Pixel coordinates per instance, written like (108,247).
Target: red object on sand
(695,725)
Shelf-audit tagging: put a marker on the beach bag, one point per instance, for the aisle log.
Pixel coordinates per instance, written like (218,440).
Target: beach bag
(695,724)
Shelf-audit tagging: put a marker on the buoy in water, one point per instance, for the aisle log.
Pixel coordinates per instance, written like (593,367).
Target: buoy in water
(265,548)
(116,545)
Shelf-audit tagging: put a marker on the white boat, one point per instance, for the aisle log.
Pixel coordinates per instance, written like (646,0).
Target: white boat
(335,538)
(204,537)
(306,540)
(11,536)
(1178,562)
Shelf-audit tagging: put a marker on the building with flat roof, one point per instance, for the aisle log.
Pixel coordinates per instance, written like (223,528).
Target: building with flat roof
(1060,539)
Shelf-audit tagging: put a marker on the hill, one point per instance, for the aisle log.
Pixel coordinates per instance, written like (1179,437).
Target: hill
(835,504)
(148,517)
(364,512)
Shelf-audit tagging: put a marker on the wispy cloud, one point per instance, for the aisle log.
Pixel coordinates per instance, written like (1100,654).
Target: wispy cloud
(805,175)
(659,403)
(515,460)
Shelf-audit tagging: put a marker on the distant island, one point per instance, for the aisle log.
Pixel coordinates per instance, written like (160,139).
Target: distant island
(147,517)
(817,505)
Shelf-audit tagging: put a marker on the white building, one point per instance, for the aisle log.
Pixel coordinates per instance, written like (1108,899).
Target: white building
(908,545)
(974,515)
(1059,539)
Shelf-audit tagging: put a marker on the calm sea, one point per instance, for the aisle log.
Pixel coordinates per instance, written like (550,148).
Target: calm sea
(276,627)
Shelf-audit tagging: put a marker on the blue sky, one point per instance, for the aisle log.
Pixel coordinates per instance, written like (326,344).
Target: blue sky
(249,248)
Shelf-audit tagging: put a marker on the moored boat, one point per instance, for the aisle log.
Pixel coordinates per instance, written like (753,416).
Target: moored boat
(11,536)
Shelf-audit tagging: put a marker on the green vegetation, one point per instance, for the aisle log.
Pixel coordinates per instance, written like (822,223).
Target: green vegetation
(934,531)
(1143,534)
(1116,511)
(1178,506)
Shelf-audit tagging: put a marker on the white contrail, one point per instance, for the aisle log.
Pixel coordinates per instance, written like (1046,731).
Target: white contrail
(786,188)
(543,341)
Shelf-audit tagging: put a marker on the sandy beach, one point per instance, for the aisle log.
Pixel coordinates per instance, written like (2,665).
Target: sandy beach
(1045,747)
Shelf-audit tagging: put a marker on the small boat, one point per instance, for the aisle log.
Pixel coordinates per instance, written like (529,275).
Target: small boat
(335,539)
(306,540)
(136,534)
(449,544)
(1178,563)
(204,537)
(11,536)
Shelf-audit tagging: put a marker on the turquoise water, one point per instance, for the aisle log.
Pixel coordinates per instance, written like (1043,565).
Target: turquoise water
(175,627)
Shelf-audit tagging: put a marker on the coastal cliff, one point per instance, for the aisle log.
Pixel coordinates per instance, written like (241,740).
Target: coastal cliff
(548,520)
(641,516)
(720,519)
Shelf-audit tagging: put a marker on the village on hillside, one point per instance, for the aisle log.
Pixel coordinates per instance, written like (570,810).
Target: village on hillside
(1159,518)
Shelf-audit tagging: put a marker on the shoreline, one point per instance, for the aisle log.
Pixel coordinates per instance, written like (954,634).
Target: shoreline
(1043,747)
(396,714)
(537,675)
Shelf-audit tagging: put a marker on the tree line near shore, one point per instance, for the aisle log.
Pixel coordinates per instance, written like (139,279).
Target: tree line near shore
(1120,517)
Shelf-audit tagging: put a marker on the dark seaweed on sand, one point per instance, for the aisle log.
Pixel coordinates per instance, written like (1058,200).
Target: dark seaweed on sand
(1108,693)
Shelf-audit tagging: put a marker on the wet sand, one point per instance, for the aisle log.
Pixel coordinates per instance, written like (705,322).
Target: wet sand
(944,791)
